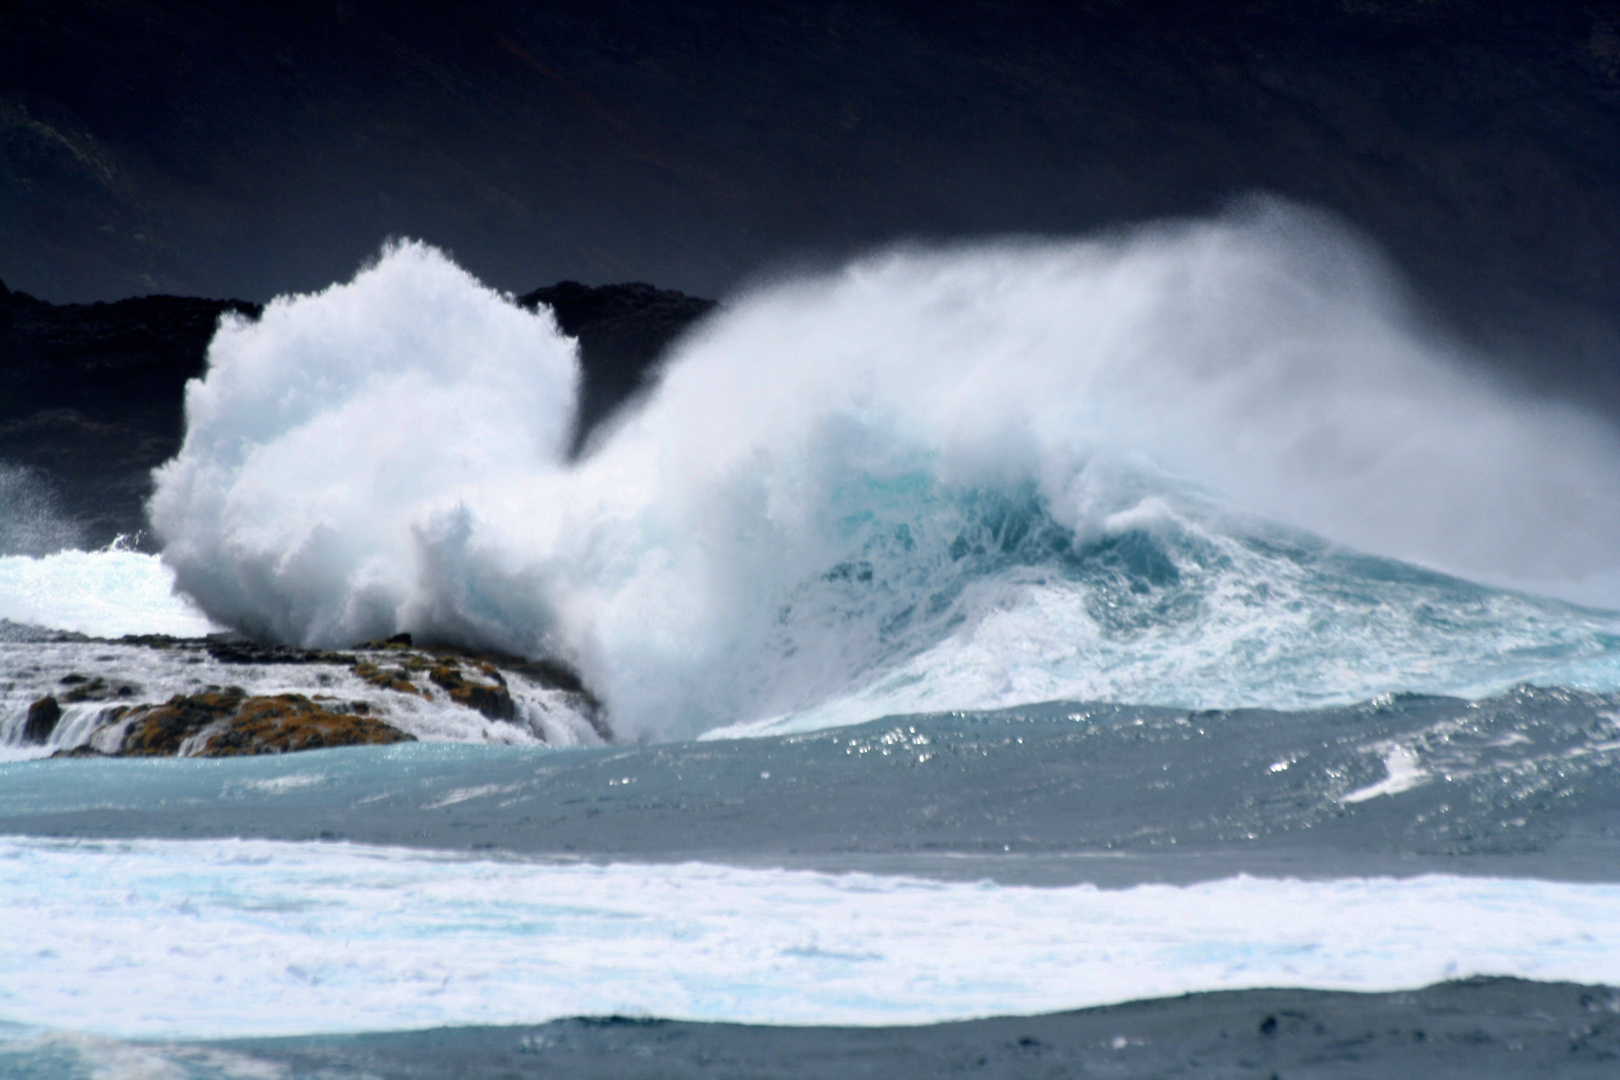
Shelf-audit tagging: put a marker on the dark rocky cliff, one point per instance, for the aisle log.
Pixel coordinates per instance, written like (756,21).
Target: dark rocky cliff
(90,402)
(240,148)
(91,395)
(622,331)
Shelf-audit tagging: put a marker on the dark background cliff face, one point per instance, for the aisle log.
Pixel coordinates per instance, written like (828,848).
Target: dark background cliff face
(244,149)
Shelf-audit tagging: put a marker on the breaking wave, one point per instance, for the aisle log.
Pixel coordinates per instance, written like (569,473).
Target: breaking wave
(1213,464)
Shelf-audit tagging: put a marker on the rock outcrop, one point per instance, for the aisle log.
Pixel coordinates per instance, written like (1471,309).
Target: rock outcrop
(157,696)
(93,688)
(623,330)
(483,691)
(42,719)
(704,144)
(228,722)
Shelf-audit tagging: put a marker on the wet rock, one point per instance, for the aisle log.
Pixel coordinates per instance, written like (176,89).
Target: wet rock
(160,730)
(42,719)
(397,679)
(548,673)
(79,751)
(291,722)
(490,698)
(472,679)
(158,641)
(213,720)
(228,651)
(396,643)
(95,688)
(229,723)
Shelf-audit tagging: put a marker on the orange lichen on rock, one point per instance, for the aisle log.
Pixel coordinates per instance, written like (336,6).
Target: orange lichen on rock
(287,722)
(396,679)
(229,723)
(490,698)
(159,730)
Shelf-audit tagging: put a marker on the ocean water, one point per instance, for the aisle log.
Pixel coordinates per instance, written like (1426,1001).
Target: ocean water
(992,630)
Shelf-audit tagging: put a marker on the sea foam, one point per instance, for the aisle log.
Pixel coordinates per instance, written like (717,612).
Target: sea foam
(105,593)
(197,939)
(936,478)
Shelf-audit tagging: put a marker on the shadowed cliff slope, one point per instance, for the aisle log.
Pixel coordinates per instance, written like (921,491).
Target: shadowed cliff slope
(92,395)
(236,148)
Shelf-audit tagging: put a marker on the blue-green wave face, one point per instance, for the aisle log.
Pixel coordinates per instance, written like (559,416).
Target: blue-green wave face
(978,598)
(1135,469)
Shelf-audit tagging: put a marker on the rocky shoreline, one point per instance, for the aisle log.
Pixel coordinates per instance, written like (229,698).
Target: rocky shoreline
(92,400)
(90,700)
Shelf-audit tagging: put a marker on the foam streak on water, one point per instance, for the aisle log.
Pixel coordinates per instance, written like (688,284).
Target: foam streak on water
(183,939)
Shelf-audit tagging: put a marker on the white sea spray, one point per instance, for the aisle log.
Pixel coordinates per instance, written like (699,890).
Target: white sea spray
(934,479)
(31,517)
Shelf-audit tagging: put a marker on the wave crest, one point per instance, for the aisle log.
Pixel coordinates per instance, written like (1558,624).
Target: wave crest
(956,478)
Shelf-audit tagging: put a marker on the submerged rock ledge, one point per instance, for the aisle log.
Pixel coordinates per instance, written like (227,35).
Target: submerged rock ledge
(156,696)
